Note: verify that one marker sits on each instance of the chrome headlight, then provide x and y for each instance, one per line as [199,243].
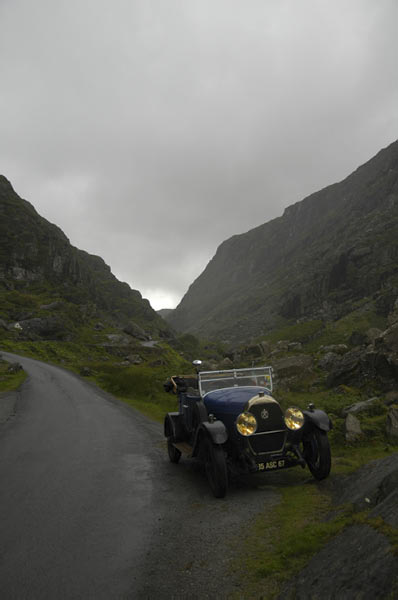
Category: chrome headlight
[294,418]
[246,423]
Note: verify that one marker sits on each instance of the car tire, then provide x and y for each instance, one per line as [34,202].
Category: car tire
[317,453]
[216,467]
[174,453]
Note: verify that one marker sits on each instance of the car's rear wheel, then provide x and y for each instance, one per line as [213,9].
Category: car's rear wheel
[317,453]
[174,453]
[216,467]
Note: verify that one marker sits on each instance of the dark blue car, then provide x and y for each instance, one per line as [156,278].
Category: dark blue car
[230,421]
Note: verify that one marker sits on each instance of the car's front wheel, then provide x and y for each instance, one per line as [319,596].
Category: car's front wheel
[216,467]
[317,453]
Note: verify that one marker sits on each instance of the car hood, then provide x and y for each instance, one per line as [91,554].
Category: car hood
[231,400]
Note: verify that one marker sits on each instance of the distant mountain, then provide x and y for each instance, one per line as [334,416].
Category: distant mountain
[164,312]
[38,261]
[322,257]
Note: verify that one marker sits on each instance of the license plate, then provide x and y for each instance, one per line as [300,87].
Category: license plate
[271,465]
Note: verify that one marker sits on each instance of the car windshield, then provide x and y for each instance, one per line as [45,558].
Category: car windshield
[216,380]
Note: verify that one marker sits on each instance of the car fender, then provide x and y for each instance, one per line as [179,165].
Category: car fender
[216,431]
[173,426]
[317,418]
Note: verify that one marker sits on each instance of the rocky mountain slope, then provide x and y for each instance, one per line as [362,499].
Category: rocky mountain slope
[324,255]
[47,285]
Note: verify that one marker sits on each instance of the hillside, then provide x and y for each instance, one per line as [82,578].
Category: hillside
[42,274]
[323,256]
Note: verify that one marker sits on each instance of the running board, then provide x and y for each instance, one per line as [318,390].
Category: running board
[183,447]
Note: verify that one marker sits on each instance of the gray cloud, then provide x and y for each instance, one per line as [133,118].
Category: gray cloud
[151,131]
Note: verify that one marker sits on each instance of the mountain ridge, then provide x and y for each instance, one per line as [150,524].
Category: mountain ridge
[35,253]
[308,263]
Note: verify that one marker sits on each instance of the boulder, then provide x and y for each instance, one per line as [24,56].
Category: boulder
[51,306]
[373,333]
[133,359]
[136,331]
[294,346]
[85,372]
[353,431]
[359,407]
[344,368]
[48,327]
[391,398]
[226,363]
[117,339]
[390,338]
[14,368]
[255,350]
[292,365]
[392,425]
[335,348]
[328,361]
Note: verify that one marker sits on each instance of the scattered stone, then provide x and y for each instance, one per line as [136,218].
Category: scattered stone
[294,346]
[335,348]
[353,431]
[255,350]
[157,363]
[373,333]
[226,363]
[136,331]
[391,398]
[99,326]
[390,338]
[133,359]
[328,361]
[359,407]
[3,324]
[51,306]
[392,425]
[14,367]
[283,345]
[118,339]
[85,372]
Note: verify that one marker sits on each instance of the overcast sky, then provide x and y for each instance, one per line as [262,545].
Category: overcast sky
[152,130]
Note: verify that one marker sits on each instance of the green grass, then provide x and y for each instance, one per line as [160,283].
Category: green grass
[281,541]
[10,381]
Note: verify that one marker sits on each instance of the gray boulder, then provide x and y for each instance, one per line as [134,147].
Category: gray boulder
[328,361]
[117,339]
[136,331]
[133,359]
[353,431]
[359,407]
[292,365]
[335,348]
[392,425]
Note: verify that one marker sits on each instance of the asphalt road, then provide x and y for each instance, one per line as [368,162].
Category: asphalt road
[90,506]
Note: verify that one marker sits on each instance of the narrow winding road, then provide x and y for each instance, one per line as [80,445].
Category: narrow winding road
[90,507]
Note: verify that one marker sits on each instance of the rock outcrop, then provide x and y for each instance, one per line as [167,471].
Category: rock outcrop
[35,255]
[325,253]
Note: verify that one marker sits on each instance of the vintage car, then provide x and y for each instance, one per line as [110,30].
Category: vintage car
[230,421]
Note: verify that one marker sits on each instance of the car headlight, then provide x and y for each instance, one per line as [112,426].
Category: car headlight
[246,423]
[294,418]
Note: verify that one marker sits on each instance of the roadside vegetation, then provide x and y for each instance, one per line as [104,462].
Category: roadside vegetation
[10,378]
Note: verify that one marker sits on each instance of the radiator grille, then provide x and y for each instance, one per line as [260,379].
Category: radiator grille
[271,430]
[262,443]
